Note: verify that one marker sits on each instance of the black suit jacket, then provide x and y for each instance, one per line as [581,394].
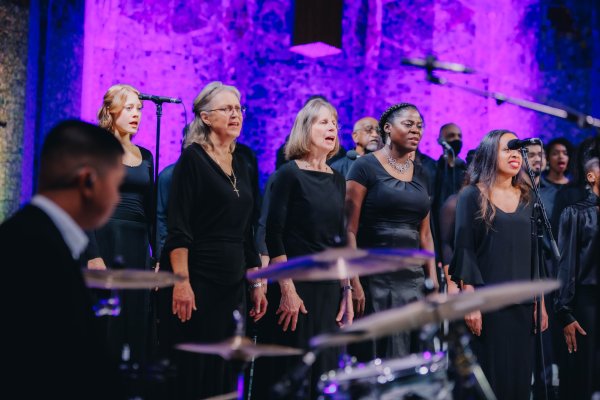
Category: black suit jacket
[54,346]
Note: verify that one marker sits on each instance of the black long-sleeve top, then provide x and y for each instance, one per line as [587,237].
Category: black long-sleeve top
[306,211]
[579,244]
[483,256]
[207,217]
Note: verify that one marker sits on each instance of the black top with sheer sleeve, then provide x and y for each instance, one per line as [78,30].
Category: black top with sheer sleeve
[500,253]
[207,217]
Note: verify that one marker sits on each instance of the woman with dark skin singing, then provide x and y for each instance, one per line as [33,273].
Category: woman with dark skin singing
[493,244]
[387,204]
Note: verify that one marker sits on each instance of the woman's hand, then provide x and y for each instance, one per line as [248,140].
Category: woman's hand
[570,332]
[259,300]
[544,315]
[345,314]
[184,301]
[474,322]
[358,298]
[291,304]
[96,263]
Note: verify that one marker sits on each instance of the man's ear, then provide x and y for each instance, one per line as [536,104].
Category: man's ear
[86,178]
[591,177]
[355,136]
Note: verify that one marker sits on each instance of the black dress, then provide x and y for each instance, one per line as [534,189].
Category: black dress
[124,242]
[207,217]
[579,244]
[391,216]
[306,215]
[502,253]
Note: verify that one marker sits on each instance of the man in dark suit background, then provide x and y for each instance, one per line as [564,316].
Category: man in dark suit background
[54,346]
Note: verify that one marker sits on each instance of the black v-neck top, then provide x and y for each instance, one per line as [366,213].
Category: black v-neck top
[207,217]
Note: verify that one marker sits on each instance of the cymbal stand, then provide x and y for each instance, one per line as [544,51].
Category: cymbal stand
[466,365]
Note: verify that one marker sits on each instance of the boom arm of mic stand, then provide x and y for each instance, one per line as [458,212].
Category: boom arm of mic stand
[580,118]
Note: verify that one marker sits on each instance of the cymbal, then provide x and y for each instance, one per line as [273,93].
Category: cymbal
[128,279]
[226,396]
[343,262]
[239,348]
[434,309]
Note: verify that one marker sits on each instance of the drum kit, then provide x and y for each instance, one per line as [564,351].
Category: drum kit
[418,376]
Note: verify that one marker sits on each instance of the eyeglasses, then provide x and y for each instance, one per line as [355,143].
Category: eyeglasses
[410,124]
[229,110]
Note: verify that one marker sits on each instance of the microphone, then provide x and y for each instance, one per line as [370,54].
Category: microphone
[352,154]
[158,99]
[516,144]
[445,144]
[430,63]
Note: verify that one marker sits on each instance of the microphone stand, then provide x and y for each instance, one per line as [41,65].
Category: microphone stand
[539,223]
[582,120]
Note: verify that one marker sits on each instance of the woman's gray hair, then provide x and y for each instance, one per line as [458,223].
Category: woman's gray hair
[199,132]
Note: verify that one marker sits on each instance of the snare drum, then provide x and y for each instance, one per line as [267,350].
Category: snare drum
[418,376]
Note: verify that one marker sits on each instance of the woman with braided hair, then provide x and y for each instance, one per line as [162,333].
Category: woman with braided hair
[387,205]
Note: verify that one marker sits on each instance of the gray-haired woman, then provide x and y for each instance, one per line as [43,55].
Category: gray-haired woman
[209,240]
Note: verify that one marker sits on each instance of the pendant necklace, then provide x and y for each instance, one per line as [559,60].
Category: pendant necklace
[401,167]
[232,178]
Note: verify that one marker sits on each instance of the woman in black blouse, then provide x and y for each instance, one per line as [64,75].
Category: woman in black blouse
[124,242]
[493,244]
[209,240]
[306,215]
[388,206]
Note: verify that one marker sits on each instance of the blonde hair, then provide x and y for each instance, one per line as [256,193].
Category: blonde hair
[298,145]
[199,132]
[113,103]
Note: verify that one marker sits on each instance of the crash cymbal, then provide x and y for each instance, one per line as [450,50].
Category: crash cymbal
[434,309]
[239,348]
[128,279]
[226,396]
[344,262]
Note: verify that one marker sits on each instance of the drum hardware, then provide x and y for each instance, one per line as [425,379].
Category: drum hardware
[239,350]
[427,313]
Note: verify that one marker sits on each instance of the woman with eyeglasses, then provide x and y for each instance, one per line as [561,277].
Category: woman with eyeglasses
[209,242]
[493,244]
[305,216]
[387,205]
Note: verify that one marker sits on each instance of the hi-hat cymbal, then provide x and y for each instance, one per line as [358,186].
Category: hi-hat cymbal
[239,348]
[344,262]
[128,279]
[434,309]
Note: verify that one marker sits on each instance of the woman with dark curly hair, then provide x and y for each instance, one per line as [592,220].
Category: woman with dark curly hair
[493,244]
[387,205]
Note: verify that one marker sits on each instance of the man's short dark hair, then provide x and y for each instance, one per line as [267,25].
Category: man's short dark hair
[71,145]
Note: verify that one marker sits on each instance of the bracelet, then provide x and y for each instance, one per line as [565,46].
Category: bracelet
[255,285]
[347,287]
